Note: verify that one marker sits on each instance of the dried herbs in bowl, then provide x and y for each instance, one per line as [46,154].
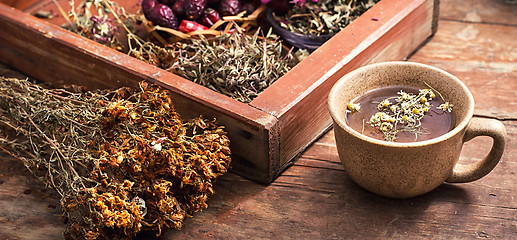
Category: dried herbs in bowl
[309,24]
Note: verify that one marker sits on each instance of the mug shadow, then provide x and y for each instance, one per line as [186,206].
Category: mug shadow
[395,216]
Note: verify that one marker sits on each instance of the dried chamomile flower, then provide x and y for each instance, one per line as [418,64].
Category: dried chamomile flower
[384,104]
[446,107]
[404,112]
[353,107]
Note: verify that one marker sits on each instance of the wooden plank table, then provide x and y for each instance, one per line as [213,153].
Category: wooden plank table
[315,199]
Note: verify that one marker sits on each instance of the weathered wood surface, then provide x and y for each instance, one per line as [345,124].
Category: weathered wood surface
[315,199]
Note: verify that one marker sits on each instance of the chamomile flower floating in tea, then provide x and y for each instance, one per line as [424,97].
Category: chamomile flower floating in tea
[401,114]
[353,107]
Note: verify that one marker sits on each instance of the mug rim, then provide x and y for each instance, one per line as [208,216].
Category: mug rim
[343,125]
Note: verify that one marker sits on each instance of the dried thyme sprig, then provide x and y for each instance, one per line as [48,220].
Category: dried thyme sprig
[122,161]
[323,16]
[236,64]
[403,113]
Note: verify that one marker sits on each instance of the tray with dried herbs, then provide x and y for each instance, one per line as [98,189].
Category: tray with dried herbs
[274,121]
[238,59]
[121,160]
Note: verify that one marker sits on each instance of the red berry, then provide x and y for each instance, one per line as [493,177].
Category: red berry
[162,15]
[194,8]
[229,7]
[189,26]
[147,6]
[210,17]
[167,2]
[179,7]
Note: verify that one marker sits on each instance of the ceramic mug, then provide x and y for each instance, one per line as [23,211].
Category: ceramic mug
[402,170]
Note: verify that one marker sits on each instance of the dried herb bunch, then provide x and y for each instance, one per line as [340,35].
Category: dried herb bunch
[122,162]
[322,17]
[235,64]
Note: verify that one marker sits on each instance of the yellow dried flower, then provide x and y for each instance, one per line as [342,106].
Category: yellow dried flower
[353,107]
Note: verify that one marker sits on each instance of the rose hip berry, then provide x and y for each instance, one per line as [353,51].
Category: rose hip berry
[187,26]
[229,7]
[248,7]
[147,6]
[279,6]
[167,2]
[162,15]
[210,17]
[179,7]
[194,8]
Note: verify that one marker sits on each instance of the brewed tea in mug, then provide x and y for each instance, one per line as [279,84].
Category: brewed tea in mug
[434,123]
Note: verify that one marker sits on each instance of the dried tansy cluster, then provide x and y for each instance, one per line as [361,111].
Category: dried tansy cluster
[122,161]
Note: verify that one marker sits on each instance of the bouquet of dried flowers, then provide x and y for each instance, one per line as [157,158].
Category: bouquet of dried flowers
[122,161]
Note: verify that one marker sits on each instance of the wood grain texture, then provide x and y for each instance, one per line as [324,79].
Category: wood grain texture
[20,4]
[321,202]
[29,210]
[501,12]
[484,57]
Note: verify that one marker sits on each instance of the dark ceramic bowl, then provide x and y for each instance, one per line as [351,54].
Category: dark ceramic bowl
[309,42]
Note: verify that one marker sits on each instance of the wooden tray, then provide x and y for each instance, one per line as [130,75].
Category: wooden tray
[265,134]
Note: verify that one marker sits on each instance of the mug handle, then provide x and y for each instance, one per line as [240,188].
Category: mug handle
[481,127]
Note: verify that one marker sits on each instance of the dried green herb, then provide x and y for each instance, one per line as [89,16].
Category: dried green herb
[122,161]
[323,16]
[236,64]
